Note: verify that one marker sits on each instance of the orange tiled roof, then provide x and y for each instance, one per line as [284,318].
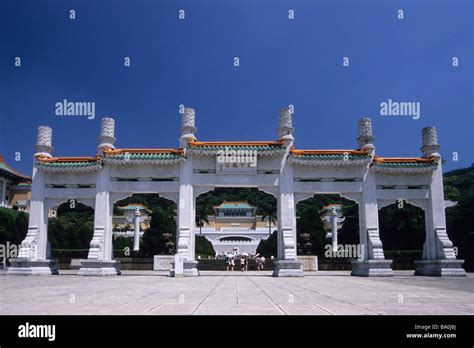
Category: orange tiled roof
[44,159]
[113,152]
[327,152]
[403,159]
[11,171]
[235,143]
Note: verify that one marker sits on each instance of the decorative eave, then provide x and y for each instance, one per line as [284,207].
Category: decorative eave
[212,147]
[143,156]
[22,186]
[329,157]
[11,174]
[221,206]
[404,165]
[69,164]
[133,206]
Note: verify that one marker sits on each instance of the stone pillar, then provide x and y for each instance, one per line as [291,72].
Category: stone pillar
[438,254]
[371,262]
[287,264]
[32,258]
[107,134]
[334,229]
[100,260]
[136,235]
[186,210]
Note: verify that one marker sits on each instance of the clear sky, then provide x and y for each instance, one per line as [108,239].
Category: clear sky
[191,62]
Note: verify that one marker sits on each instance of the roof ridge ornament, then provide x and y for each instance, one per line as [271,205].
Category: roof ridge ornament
[107,134]
[285,129]
[44,142]
[188,127]
[430,146]
[365,137]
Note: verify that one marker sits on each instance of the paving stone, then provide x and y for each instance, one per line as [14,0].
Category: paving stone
[236,293]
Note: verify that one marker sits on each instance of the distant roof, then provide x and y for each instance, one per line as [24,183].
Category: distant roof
[8,172]
[134,207]
[24,184]
[234,205]
[330,206]
[22,203]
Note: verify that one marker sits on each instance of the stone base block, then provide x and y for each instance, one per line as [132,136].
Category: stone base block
[76,264]
[440,268]
[372,268]
[287,268]
[309,262]
[91,267]
[163,262]
[190,269]
[26,266]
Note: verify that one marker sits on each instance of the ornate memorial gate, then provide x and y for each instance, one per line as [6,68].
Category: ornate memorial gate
[291,175]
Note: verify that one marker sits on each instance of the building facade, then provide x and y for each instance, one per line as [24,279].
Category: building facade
[14,187]
[235,225]
[123,224]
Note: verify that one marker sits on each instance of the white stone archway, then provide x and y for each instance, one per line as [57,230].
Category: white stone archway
[276,167]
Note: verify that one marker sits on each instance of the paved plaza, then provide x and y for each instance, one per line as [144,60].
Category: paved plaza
[318,293]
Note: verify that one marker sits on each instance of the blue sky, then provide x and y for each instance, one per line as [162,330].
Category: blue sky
[282,62]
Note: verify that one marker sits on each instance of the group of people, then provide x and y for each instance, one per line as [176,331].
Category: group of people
[244,261]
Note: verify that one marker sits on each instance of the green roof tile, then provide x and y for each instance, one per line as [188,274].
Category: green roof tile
[146,156]
[67,164]
[238,147]
[331,157]
[234,206]
[11,173]
[407,165]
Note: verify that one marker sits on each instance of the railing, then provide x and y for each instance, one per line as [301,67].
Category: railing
[233,217]
[130,233]
[258,230]
[236,242]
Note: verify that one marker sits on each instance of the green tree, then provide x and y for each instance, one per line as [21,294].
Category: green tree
[402,227]
[204,246]
[160,237]
[271,217]
[459,187]
[201,217]
[268,247]
[72,228]
[13,226]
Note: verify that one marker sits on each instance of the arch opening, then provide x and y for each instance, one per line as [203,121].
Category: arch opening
[235,218]
[403,233]
[70,231]
[315,232]
[144,225]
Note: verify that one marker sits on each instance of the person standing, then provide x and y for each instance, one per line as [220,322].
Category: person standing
[230,262]
[258,261]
